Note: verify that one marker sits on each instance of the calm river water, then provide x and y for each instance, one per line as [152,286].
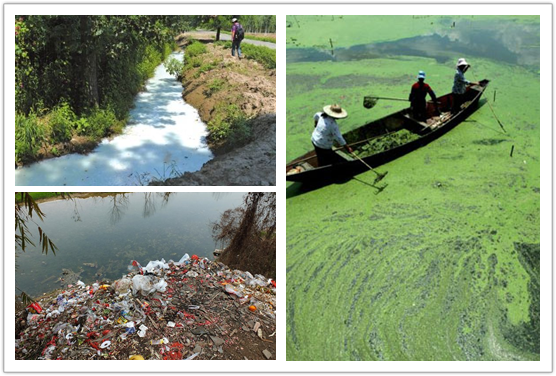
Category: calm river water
[108,232]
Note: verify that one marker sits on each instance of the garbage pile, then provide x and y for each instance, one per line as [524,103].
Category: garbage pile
[191,309]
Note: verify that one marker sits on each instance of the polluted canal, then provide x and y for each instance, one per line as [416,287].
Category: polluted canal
[164,137]
[134,278]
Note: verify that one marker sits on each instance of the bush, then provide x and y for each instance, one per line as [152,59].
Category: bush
[263,55]
[60,123]
[194,49]
[100,122]
[29,136]
[174,67]
[229,125]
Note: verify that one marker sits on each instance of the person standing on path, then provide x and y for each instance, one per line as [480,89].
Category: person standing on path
[237,36]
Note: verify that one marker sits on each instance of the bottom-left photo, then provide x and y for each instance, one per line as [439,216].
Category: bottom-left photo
[145,276]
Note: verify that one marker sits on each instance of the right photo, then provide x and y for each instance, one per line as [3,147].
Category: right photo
[413,188]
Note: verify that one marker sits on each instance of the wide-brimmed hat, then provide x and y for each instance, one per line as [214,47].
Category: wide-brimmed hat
[335,111]
[462,62]
[421,75]
[234,19]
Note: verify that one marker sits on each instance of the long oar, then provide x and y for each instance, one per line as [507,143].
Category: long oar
[370,101]
[496,117]
[379,176]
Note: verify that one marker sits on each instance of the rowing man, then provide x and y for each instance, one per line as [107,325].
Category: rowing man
[326,132]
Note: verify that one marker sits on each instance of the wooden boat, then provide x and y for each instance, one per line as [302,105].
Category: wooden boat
[386,139]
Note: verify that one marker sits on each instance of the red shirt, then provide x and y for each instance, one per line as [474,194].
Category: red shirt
[419,92]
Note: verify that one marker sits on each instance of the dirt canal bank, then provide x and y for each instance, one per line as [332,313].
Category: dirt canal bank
[249,86]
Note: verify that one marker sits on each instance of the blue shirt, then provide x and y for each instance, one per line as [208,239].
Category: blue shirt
[326,132]
[460,83]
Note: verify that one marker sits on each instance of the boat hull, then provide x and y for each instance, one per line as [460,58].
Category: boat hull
[343,170]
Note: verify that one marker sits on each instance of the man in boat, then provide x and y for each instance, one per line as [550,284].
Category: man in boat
[460,85]
[326,132]
[418,97]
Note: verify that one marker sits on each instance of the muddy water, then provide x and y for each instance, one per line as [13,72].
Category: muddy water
[443,264]
[97,237]
[164,137]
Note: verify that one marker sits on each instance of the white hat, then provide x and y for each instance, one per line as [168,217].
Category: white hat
[421,75]
[462,62]
[335,111]
[234,19]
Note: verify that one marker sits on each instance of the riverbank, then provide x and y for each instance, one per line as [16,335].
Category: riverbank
[232,91]
[63,130]
[192,309]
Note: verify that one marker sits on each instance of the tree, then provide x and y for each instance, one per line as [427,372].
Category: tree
[251,233]
[24,211]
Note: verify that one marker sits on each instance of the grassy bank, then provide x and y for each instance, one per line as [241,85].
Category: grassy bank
[262,38]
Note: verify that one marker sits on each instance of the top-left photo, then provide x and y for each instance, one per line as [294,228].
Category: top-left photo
[141,100]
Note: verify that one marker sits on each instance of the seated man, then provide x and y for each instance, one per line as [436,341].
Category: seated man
[326,132]
[418,96]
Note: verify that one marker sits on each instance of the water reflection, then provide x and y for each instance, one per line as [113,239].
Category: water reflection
[119,205]
[505,41]
[115,229]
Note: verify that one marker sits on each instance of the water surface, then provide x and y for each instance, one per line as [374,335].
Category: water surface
[111,231]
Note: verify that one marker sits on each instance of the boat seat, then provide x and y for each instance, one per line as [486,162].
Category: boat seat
[344,155]
[305,166]
[424,126]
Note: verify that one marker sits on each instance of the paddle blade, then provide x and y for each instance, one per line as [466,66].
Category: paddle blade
[380,176]
[369,102]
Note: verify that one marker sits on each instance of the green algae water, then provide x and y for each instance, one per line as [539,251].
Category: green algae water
[443,264]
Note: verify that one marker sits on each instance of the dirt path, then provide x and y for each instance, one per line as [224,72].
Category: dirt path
[252,88]
[211,35]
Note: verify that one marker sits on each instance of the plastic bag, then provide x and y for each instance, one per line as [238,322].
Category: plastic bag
[160,286]
[155,265]
[142,284]
[234,290]
[184,259]
[33,319]
[192,274]
[122,286]
[142,330]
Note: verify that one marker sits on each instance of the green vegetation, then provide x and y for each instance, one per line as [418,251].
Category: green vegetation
[229,125]
[36,196]
[384,143]
[255,37]
[74,74]
[263,55]
[215,86]
[194,49]
[174,67]
[443,263]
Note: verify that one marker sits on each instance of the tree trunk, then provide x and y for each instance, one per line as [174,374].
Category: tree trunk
[218,33]
[89,64]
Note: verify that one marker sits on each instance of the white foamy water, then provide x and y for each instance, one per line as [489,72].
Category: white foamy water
[163,134]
